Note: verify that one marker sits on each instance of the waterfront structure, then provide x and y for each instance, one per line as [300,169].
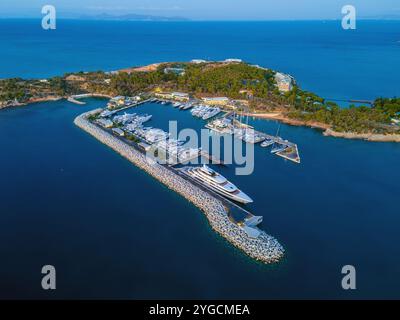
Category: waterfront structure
[264,247]
[215,181]
[221,101]
[180,96]
[146,147]
[163,95]
[229,125]
[116,102]
[233,60]
[118,132]
[106,123]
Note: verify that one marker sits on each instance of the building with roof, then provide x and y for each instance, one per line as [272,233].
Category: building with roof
[284,82]
[233,60]
[198,61]
[118,132]
[143,145]
[106,123]
[180,96]
[220,101]
[163,95]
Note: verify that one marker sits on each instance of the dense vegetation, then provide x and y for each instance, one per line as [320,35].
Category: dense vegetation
[130,84]
[390,107]
[235,80]
[227,80]
[20,90]
[11,89]
[360,119]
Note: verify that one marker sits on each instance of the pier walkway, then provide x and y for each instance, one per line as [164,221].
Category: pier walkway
[75,98]
[129,106]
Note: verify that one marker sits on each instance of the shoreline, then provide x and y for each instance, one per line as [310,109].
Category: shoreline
[293,122]
[372,137]
[72,99]
[32,101]
[265,248]
[326,129]
[278,116]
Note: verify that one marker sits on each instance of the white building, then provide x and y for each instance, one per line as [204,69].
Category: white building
[180,96]
[284,82]
[144,146]
[221,101]
[233,60]
[118,132]
[198,61]
[106,123]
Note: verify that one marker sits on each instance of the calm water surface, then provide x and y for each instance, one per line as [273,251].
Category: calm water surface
[114,232]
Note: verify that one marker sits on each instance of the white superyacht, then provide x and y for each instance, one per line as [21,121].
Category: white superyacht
[218,183]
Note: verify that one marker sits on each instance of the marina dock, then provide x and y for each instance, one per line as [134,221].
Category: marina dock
[75,98]
[229,125]
[135,104]
[263,247]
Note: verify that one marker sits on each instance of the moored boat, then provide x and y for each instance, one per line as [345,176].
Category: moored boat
[218,183]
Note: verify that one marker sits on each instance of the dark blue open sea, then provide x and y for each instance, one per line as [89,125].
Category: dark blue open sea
[112,231]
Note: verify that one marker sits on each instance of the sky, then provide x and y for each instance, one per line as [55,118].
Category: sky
[207,9]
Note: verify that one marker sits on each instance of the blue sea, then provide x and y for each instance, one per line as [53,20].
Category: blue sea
[112,231]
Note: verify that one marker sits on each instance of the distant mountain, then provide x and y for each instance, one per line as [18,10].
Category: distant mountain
[131,17]
[382,17]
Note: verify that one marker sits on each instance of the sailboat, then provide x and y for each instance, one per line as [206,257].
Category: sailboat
[278,147]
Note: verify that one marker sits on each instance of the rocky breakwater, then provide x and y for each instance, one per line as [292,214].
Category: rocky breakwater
[265,248]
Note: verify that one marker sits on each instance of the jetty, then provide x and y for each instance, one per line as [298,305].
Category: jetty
[229,125]
[132,105]
[75,98]
[264,247]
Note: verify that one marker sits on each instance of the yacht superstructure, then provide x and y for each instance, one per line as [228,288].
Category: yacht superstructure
[218,183]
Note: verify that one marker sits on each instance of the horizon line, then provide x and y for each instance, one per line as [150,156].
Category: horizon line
[182,19]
